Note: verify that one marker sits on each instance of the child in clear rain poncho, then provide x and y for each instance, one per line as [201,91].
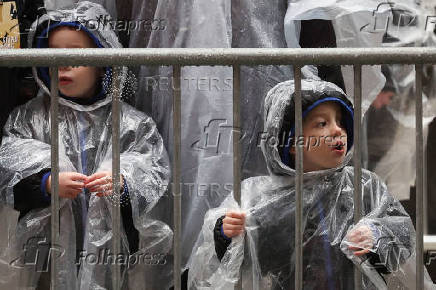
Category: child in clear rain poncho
[85,163]
[381,243]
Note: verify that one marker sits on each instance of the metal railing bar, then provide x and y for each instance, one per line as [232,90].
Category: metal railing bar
[216,56]
[299,182]
[425,192]
[237,131]
[236,134]
[54,190]
[177,202]
[357,157]
[419,180]
[116,214]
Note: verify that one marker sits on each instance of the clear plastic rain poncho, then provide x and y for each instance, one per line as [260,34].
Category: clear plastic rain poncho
[207,91]
[355,25]
[109,5]
[85,146]
[410,26]
[265,254]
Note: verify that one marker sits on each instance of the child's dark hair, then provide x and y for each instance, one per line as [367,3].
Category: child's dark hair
[285,135]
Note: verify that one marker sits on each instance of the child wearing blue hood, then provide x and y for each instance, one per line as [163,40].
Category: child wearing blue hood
[85,162]
[257,238]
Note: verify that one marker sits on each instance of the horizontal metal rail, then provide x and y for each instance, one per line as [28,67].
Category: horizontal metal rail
[216,56]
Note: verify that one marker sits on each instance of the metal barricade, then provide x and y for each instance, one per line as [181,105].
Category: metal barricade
[233,57]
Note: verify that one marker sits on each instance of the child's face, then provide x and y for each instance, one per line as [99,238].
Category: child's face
[82,81]
[325,138]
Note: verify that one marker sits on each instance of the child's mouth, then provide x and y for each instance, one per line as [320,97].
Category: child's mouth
[65,81]
[339,148]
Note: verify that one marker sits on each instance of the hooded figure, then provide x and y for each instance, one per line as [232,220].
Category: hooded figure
[410,27]
[265,254]
[206,91]
[85,146]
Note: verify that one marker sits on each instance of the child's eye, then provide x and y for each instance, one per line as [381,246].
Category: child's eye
[322,124]
[341,123]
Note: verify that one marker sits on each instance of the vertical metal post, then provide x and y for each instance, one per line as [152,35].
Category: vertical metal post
[357,158]
[176,175]
[236,141]
[419,181]
[425,191]
[236,134]
[299,182]
[116,238]
[54,191]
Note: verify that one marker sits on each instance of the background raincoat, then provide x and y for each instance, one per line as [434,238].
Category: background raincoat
[85,134]
[207,91]
[265,254]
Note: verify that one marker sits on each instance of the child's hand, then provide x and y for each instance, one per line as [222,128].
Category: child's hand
[233,223]
[362,240]
[70,184]
[101,183]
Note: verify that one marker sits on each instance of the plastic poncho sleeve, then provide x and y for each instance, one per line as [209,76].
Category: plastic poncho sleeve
[22,154]
[143,164]
[208,270]
[393,234]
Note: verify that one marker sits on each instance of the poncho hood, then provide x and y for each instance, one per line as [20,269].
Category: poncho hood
[91,18]
[279,101]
